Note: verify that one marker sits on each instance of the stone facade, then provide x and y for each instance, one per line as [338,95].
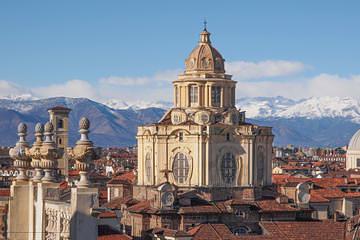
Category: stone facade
[204,140]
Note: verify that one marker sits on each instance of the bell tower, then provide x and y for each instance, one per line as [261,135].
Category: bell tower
[59,117]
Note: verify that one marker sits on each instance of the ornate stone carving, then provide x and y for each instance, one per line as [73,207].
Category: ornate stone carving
[50,230]
[49,154]
[83,152]
[18,153]
[65,225]
[34,152]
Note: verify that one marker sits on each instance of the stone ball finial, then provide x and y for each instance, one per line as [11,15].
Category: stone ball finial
[84,123]
[22,128]
[49,127]
[39,128]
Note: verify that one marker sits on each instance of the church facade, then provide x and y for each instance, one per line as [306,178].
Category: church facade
[204,140]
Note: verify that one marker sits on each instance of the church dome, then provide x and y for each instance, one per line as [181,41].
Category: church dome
[354,143]
[204,57]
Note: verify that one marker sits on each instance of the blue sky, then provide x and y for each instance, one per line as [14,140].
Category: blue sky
[113,49]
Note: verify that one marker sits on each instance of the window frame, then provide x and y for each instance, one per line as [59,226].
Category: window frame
[228,168]
[181,167]
[193,95]
[216,96]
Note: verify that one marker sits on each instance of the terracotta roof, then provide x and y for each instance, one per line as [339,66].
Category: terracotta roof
[352,194]
[273,206]
[107,214]
[317,198]
[105,232]
[315,230]
[142,207]
[116,203]
[211,231]
[328,193]
[119,236]
[125,178]
[169,232]
[206,209]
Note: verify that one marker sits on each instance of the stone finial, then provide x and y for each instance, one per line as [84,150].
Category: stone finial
[22,128]
[49,154]
[84,125]
[39,128]
[34,152]
[19,153]
[83,153]
[48,131]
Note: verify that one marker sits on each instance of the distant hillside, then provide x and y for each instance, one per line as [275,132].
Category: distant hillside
[109,127]
[307,122]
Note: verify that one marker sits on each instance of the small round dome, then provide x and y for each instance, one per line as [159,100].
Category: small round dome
[204,57]
[84,123]
[49,127]
[22,128]
[39,128]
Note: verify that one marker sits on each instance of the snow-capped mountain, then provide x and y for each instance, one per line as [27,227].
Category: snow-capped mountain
[326,121]
[120,104]
[311,108]
[275,107]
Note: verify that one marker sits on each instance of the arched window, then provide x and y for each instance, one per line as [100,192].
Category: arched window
[180,167]
[228,168]
[148,166]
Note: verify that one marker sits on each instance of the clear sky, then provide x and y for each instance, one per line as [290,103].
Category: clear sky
[133,49]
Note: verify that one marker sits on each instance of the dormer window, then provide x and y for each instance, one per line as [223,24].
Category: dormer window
[193,95]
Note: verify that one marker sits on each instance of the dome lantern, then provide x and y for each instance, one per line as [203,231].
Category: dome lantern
[204,58]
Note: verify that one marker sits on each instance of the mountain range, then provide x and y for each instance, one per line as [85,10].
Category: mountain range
[325,121]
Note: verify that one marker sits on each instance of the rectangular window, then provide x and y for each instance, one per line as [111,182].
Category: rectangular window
[215,96]
[193,95]
[358,162]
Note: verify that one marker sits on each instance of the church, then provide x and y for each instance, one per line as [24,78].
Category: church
[202,162]
[204,141]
